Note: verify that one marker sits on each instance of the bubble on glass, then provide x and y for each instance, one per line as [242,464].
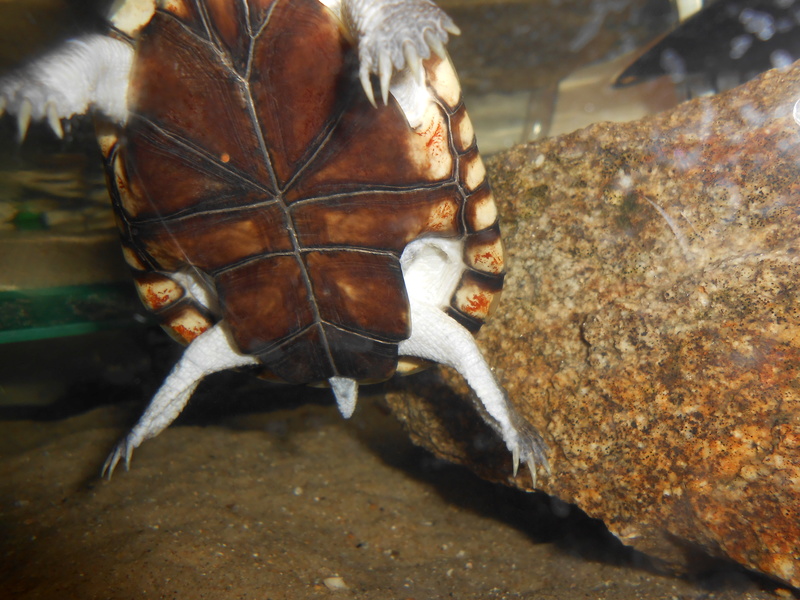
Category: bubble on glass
[673,64]
[757,22]
[740,44]
[796,112]
[780,59]
[784,25]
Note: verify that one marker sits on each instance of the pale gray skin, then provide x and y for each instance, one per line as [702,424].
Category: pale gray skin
[393,36]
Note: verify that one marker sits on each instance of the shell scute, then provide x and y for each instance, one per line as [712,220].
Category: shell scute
[473,171]
[192,104]
[463,131]
[372,148]
[358,291]
[444,81]
[253,158]
[157,291]
[185,321]
[265,301]
[484,251]
[480,211]
[237,236]
[299,83]
[380,220]
[476,296]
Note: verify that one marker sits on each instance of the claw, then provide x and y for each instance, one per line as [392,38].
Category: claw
[451,28]
[24,119]
[435,44]
[532,468]
[366,83]
[3,103]
[53,120]
[113,459]
[413,60]
[515,459]
[385,72]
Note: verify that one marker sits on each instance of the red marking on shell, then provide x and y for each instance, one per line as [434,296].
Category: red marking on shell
[478,305]
[225,157]
[186,334]
[156,300]
[442,216]
[488,261]
[436,140]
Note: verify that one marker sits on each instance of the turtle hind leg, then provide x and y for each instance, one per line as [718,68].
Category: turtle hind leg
[210,352]
[437,337]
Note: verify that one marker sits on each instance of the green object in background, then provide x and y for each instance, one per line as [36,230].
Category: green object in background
[38,314]
[29,221]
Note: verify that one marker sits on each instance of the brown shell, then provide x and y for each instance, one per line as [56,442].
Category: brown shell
[252,156]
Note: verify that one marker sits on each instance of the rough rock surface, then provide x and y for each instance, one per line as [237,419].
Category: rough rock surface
[650,327]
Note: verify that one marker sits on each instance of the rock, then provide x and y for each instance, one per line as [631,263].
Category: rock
[650,328]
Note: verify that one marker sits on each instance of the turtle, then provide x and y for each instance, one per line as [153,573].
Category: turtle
[298,190]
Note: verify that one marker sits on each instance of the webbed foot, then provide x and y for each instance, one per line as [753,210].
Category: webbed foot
[83,73]
[396,36]
[29,100]
[531,449]
[123,449]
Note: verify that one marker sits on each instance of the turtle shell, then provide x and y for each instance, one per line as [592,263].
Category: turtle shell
[255,183]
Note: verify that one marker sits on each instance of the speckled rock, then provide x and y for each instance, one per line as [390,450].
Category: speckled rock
[650,328]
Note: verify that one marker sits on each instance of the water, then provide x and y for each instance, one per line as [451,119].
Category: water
[233,504]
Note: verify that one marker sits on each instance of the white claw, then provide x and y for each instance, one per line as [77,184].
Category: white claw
[435,44]
[385,72]
[53,120]
[452,28]
[24,119]
[515,459]
[366,83]
[532,468]
[413,60]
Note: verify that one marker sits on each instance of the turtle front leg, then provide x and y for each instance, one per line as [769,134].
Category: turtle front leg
[210,352]
[393,36]
[90,72]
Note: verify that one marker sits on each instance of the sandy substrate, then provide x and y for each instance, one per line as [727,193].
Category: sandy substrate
[289,504]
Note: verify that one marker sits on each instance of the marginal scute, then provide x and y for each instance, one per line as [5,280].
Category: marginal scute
[484,251]
[182,9]
[132,15]
[444,81]
[129,202]
[463,131]
[157,291]
[408,365]
[132,258]
[185,324]
[107,136]
[473,171]
[474,299]
[480,210]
